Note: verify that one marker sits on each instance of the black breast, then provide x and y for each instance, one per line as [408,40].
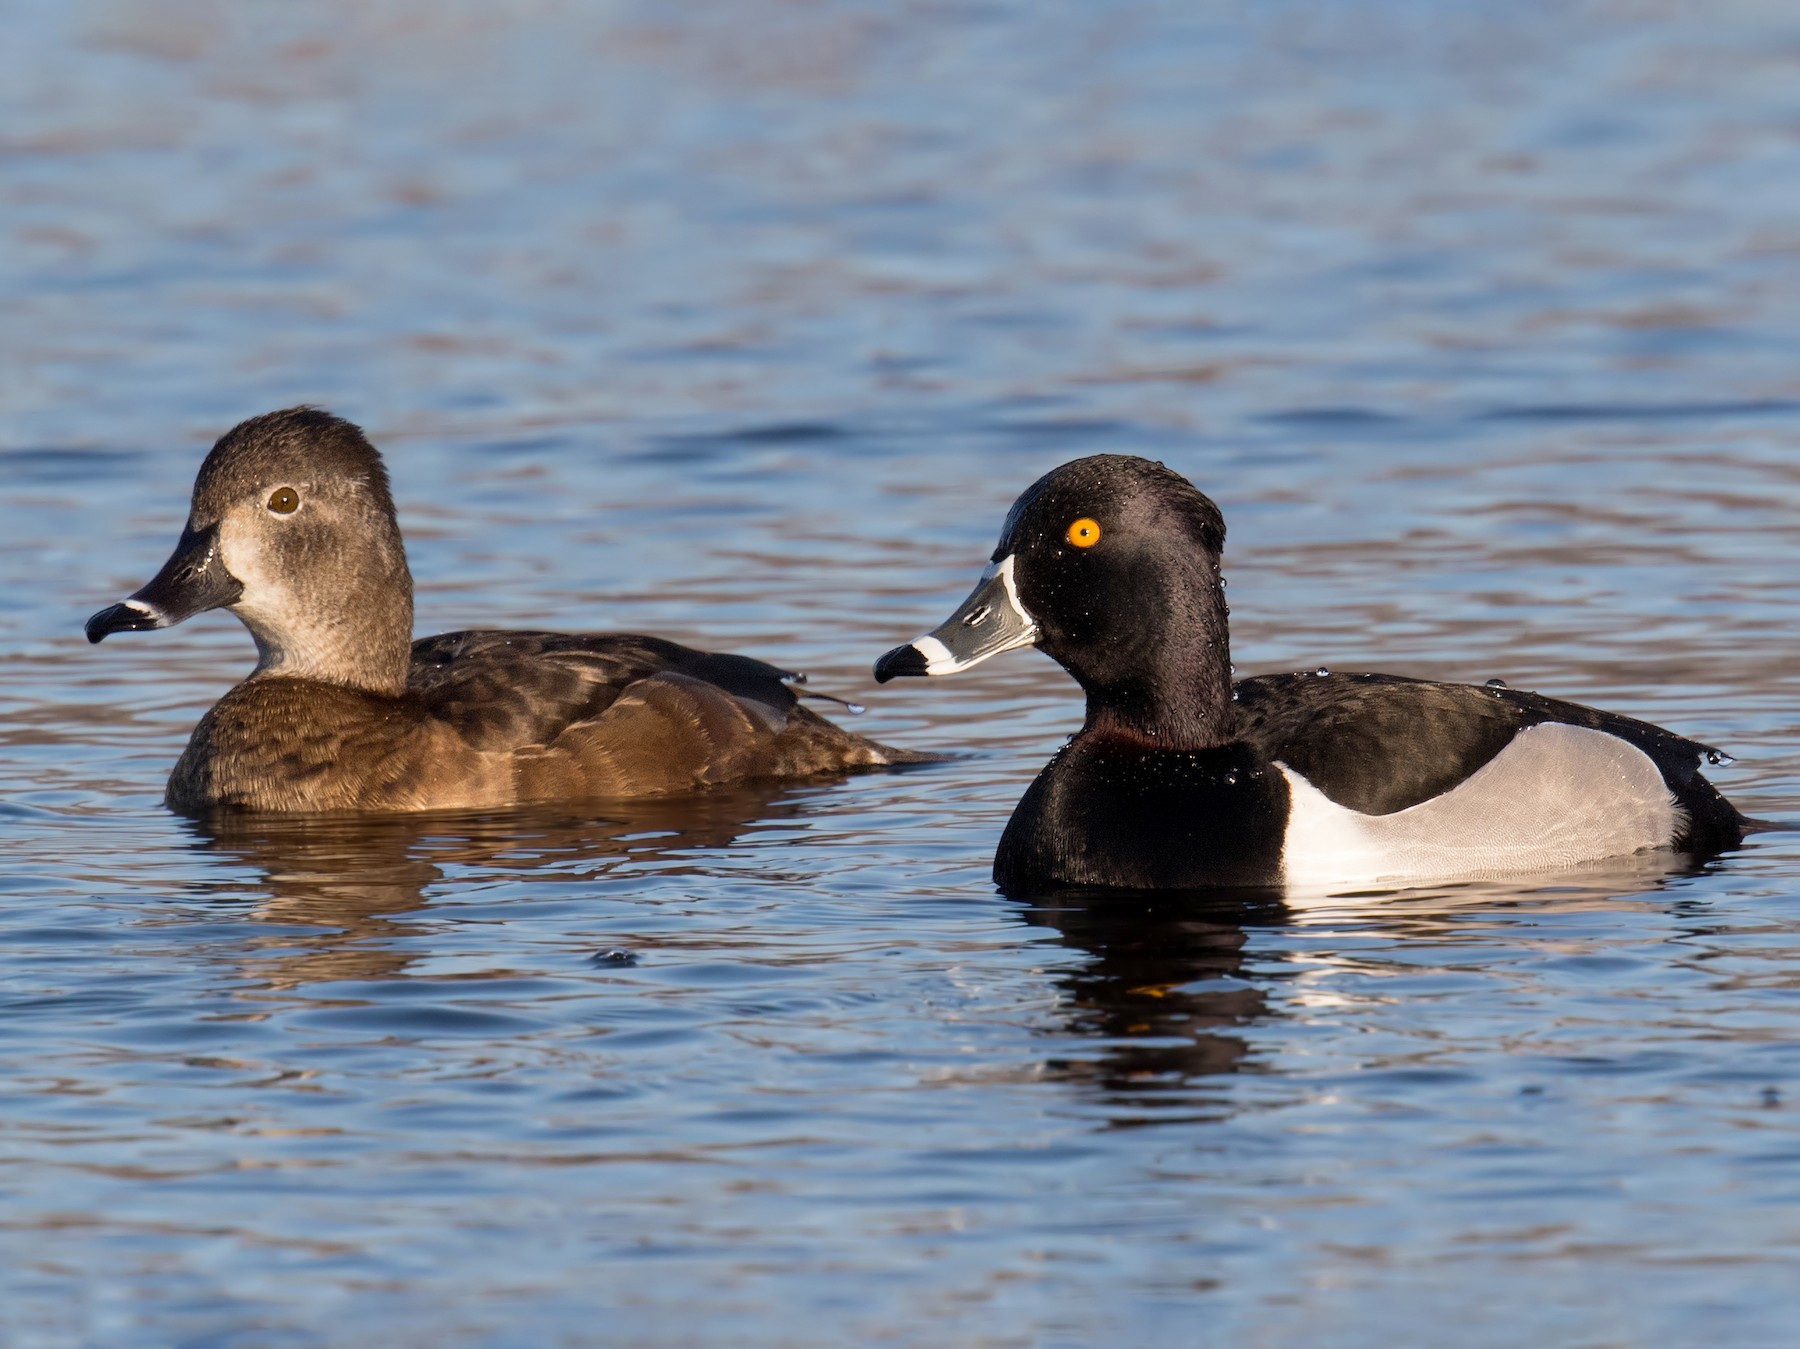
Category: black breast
[1119,814]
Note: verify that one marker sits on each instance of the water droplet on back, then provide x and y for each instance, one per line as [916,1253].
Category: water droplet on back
[1496,683]
[1719,759]
[1231,777]
[1322,671]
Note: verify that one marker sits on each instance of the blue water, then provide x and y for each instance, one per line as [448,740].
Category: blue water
[744,324]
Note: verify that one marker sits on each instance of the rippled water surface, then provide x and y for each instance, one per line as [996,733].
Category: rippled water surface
[744,324]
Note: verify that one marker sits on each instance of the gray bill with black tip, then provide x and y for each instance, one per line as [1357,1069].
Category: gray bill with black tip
[192,581]
[990,621]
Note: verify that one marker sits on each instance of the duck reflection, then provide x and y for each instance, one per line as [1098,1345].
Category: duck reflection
[355,878]
[1164,984]
[1162,990]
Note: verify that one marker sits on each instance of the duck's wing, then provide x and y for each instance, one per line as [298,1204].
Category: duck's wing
[623,715]
[504,690]
[1381,743]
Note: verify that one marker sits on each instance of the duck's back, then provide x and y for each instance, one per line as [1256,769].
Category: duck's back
[624,715]
[506,690]
[1379,744]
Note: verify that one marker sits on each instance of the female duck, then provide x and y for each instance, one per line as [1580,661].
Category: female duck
[1180,779]
[292,528]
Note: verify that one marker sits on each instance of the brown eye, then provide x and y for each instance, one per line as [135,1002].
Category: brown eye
[284,501]
[1084,533]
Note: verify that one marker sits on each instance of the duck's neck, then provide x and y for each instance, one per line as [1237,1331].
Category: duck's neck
[1190,709]
[359,637]
[1165,677]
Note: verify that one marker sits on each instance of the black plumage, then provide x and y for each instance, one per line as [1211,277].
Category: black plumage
[1179,777]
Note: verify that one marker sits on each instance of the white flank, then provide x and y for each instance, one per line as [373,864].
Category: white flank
[1557,796]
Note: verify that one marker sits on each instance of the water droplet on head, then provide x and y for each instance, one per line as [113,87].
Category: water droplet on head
[1231,777]
[1322,671]
[1234,696]
[1496,683]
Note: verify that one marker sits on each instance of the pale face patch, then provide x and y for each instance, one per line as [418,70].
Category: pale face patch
[243,548]
[269,606]
[1556,797]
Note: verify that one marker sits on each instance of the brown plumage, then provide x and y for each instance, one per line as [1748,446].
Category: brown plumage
[293,529]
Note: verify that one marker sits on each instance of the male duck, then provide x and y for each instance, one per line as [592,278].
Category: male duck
[1181,779]
[292,528]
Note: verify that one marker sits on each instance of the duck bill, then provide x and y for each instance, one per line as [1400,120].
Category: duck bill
[990,621]
[192,581]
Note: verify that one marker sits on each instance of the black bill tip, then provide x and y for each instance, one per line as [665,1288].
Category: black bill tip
[121,618]
[192,581]
[902,660]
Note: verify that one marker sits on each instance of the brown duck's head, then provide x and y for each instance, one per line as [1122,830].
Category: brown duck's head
[292,528]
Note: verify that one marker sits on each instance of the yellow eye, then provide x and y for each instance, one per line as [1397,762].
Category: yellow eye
[1084,533]
[285,501]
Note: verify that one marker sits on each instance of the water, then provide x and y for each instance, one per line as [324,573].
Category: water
[744,325]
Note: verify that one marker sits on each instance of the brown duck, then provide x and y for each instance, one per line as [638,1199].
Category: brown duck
[292,528]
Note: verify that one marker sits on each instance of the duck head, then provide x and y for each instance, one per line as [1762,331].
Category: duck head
[291,528]
[1110,565]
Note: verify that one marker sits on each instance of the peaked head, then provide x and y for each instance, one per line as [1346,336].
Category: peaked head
[291,528]
[1110,564]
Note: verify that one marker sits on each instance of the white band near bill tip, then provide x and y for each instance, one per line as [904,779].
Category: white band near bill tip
[938,659]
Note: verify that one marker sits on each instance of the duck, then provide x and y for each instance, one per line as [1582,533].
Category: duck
[292,528]
[1182,777]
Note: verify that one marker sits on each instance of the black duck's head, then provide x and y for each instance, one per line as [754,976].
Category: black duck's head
[292,528]
[1111,566]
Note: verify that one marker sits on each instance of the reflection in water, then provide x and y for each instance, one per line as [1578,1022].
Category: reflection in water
[354,877]
[1163,983]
